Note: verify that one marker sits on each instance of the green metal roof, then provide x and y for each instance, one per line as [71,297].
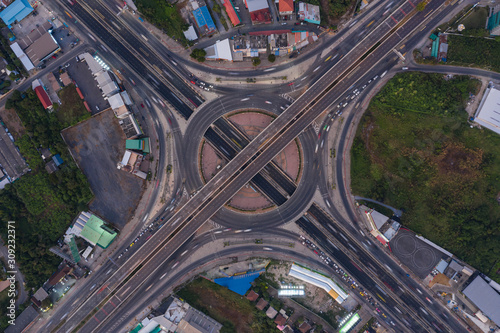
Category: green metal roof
[138,144]
[74,250]
[95,231]
[433,37]
[435,48]
[137,329]
[156,330]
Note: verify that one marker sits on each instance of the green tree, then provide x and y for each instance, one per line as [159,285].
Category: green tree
[256,61]
[421,6]
[199,54]
[271,58]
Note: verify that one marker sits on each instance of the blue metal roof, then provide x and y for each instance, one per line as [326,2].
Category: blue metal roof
[16,11]
[57,159]
[203,18]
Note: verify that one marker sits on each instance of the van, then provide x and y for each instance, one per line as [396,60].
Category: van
[404,68]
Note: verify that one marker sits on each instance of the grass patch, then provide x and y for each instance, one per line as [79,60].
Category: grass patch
[72,109]
[474,52]
[165,16]
[415,150]
[235,312]
[476,19]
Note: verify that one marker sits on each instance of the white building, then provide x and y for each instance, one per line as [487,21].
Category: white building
[220,50]
[488,113]
[320,281]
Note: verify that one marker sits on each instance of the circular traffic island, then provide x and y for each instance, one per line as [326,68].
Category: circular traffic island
[249,199]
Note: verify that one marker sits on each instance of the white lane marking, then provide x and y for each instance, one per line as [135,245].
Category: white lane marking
[328,204]
[149,287]
[361,232]
[145,217]
[163,276]
[64,315]
[316,69]
[269,69]
[183,253]
[305,77]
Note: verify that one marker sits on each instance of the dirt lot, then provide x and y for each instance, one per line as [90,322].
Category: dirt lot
[12,121]
[97,145]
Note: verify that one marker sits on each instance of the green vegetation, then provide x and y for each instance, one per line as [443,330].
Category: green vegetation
[271,58]
[256,61]
[72,109]
[475,52]
[415,151]
[332,10]
[165,16]
[42,205]
[235,312]
[368,324]
[421,6]
[199,54]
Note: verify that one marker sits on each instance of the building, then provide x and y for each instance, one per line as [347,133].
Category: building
[221,50]
[309,13]
[39,296]
[271,312]
[320,281]
[118,105]
[106,83]
[191,34]
[202,18]
[286,7]
[16,12]
[261,304]
[485,297]
[43,48]
[280,320]
[141,144]
[488,110]
[130,126]
[131,162]
[231,12]
[381,227]
[252,296]
[350,324]
[493,23]
[51,167]
[180,317]
[22,56]
[23,321]
[12,164]
[259,11]
[304,327]
[91,228]
[65,79]
[43,97]
[59,275]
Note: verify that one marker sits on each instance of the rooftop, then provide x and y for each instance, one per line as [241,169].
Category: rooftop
[485,298]
[488,113]
[23,320]
[10,158]
[255,5]
[261,304]
[252,296]
[286,6]
[96,232]
[16,11]
[42,48]
[43,97]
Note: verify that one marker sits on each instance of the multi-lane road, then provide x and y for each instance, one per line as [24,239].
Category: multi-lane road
[366,50]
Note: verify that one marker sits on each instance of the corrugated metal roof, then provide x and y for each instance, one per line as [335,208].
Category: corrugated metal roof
[485,298]
[16,11]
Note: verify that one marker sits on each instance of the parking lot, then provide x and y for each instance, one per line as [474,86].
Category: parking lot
[98,144]
[80,73]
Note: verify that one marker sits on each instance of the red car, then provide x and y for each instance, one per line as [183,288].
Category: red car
[54,56]
[142,105]
[193,82]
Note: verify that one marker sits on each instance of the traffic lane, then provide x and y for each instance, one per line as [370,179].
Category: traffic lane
[137,44]
[362,277]
[130,59]
[388,280]
[239,181]
[203,119]
[135,306]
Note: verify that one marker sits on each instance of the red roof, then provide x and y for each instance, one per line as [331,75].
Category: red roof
[252,296]
[381,240]
[262,16]
[235,20]
[286,6]
[43,97]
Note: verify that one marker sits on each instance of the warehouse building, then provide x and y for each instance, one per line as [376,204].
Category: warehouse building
[221,50]
[488,112]
[16,12]
[320,281]
[92,229]
[485,297]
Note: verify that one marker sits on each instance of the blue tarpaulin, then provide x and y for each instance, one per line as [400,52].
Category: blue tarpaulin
[239,283]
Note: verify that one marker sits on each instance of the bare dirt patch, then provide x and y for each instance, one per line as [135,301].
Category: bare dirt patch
[13,122]
[456,162]
[440,279]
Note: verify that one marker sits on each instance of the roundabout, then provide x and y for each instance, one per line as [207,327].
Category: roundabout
[307,177]
[249,199]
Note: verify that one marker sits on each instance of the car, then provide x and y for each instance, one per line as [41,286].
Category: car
[142,105]
[297,23]
[404,68]
[193,82]
[54,56]
[267,102]
[67,65]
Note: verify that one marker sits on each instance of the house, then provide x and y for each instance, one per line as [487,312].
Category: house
[43,97]
[261,304]
[271,312]
[57,159]
[141,144]
[286,7]
[305,327]
[39,296]
[45,153]
[59,275]
[280,320]
[51,167]
[252,296]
